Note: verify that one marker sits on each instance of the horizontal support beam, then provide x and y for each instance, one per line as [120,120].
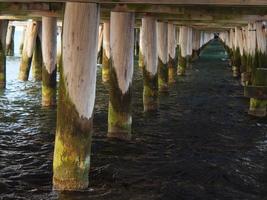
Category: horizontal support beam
[173,2]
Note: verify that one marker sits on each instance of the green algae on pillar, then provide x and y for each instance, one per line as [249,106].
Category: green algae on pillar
[259,73]
[76,97]
[106,51]
[22,40]
[10,40]
[3,31]
[182,61]
[162,47]
[150,75]
[37,58]
[49,52]
[141,51]
[172,61]
[27,52]
[121,74]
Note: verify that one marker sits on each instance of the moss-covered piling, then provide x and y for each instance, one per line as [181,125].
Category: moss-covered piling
[121,74]
[76,97]
[3,31]
[10,40]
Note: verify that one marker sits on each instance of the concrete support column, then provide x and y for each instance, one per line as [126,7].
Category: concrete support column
[106,51]
[37,59]
[189,48]
[136,41]
[236,52]
[22,40]
[172,57]
[195,44]
[150,72]
[162,46]
[3,31]
[49,70]
[259,72]
[100,44]
[76,97]
[59,46]
[10,40]
[121,74]
[141,49]
[182,51]
[28,48]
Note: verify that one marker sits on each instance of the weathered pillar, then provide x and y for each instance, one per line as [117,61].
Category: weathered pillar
[259,73]
[59,46]
[136,41]
[106,51]
[236,52]
[182,51]
[189,47]
[3,31]
[121,74]
[162,46]
[150,74]
[22,40]
[172,57]
[100,44]
[252,46]
[76,97]
[37,58]
[10,40]
[245,77]
[141,50]
[27,52]
[49,51]
[195,44]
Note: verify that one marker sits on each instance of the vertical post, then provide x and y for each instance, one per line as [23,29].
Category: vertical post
[10,40]
[27,52]
[22,40]
[141,50]
[196,44]
[106,51]
[236,52]
[172,57]
[59,46]
[49,51]
[100,44]
[182,51]
[37,58]
[136,41]
[189,47]
[150,74]
[76,97]
[3,31]
[258,106]
[162,46]
[121,74]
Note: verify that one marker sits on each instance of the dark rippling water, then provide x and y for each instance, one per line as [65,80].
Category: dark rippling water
[200,145]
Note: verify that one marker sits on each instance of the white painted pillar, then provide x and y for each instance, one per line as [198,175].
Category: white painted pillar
[121,74]
[76,97]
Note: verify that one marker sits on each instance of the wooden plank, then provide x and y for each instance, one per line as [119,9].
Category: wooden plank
[257,92]
[174,2]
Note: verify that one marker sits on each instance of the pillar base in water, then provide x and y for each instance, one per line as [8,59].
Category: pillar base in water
[171,75]
[235,70]
[258,108]
[69,185]
[119,124]
[150,92]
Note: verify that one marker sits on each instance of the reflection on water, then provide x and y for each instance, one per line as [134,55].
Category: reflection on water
[200,145]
